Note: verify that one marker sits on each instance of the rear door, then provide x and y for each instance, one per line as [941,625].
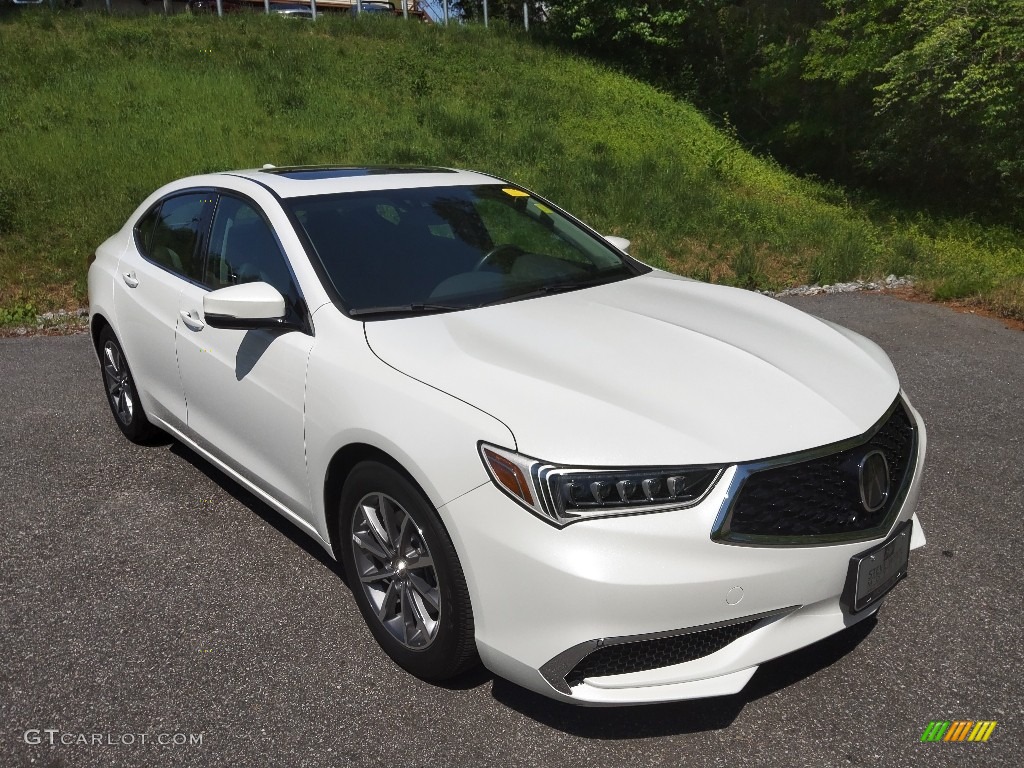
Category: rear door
[164,258]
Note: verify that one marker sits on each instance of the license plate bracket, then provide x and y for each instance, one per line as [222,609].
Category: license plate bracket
[874,572]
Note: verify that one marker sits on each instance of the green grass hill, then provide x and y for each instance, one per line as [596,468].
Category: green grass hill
[99,111]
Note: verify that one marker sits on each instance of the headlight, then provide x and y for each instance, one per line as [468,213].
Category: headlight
[563,495]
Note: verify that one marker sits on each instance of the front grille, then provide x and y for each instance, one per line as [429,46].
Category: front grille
[654,654]
[821,496]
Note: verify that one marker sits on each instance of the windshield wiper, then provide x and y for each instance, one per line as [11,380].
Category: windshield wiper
[403,309]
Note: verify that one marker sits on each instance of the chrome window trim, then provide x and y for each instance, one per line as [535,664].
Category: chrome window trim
[556,669]
[722,534]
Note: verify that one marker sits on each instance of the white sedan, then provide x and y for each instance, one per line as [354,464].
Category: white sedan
[609,484]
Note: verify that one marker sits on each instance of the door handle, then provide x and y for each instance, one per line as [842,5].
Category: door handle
[130,279]
[192,322]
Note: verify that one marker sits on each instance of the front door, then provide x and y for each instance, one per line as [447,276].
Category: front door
[245,390]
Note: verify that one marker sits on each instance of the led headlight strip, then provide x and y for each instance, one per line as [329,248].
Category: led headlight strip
[562,495]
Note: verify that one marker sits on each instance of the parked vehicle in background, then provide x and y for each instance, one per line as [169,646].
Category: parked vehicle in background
[372,8]
[382,8]
[292,10]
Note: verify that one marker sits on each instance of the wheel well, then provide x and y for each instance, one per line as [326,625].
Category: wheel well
[99,322]
[342,464]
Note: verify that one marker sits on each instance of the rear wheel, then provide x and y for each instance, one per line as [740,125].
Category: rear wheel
[122,395]
[405,574]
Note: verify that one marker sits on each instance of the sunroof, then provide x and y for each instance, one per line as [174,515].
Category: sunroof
[309,173]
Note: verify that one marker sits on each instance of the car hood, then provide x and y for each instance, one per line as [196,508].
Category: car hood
[652,370]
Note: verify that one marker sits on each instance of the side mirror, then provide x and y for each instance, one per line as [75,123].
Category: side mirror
[619,242]
[246,307]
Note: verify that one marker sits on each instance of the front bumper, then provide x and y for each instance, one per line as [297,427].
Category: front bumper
[540,594]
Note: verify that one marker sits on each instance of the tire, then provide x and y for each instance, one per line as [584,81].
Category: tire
[122,394]
[404,573]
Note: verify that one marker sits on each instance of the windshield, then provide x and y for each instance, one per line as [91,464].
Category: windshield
[408,251]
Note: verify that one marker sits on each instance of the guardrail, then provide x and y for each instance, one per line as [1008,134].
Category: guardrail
[437,11]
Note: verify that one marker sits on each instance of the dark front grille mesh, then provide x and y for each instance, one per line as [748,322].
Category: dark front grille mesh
[653,654]
[822,496]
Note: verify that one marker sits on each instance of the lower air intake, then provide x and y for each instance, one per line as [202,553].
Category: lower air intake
[654,654]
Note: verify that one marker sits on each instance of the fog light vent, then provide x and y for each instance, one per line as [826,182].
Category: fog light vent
[654,654]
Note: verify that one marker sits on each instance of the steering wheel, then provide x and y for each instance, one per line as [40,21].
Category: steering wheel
[505,249]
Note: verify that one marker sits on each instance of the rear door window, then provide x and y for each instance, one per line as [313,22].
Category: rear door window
[171,234]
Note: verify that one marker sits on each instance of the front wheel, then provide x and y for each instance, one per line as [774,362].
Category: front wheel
[405,574]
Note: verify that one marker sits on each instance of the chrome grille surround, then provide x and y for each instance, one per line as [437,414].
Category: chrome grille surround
[823,506]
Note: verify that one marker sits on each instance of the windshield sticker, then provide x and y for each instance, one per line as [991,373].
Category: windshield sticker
[514,192]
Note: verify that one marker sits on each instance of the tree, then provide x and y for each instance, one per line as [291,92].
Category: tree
[945,81]
[917,98]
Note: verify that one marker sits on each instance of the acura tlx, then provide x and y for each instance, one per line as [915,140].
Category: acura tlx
[607,483]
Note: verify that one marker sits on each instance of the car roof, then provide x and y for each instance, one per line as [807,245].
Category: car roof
[301,181]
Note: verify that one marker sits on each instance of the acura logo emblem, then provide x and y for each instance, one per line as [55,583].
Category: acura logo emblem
[874,481]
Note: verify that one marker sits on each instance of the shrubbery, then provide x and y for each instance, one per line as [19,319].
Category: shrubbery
[919,100]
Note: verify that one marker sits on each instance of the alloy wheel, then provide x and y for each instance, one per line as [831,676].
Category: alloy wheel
[396,570]
[115,375]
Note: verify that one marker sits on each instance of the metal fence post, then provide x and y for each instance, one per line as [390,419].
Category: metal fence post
[220,8]
[359,7]
[312,4]
[485,14]
[446,13]
[405,9]
[266,7]
[526,17]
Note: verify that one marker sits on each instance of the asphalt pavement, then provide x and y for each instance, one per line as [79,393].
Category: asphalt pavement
[146,598]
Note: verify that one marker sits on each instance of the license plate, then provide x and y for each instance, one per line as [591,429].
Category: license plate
[876,571]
